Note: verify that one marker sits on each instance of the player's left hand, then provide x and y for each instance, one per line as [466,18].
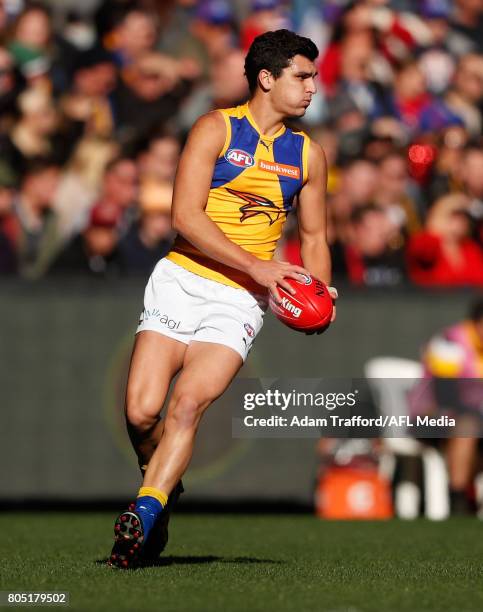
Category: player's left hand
[334,295]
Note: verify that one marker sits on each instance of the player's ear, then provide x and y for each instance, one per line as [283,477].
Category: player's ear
[265,80]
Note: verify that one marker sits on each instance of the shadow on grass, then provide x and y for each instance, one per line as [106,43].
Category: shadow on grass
[198,560]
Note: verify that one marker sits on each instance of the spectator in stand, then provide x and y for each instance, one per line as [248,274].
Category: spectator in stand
[328,139]
[3,20]
[159,162]
[185,31]
[357,50]
[357,188]
[414,106]
[392,193]
[149,94]
[374,255]
[399,32]
[119,192]
[435,59]
[94,251]
[78,30]
[444,254]
[264,16]
[9,226]
[465,97]
[38,238]
[471,176]
[471,173]
[34,42]
[80,184]
[330,60]
[227,87]
[228,82]
[359,182]
[351,126]
[11,84]
[395,34]
[386,135]
[38,133]
[152,236]
[467,26]
[33,135]
[108,15]
[135,35]
[213,27]
[87,101]
[32,34]
[445,175]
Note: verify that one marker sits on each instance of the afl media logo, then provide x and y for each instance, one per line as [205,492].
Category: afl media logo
[240,158]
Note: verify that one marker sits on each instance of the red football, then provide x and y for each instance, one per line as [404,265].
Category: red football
[310,309]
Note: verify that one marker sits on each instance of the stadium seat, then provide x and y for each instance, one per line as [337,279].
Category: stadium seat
[390,378]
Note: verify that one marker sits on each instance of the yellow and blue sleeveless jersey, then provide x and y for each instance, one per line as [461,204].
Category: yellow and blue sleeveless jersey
[255,181]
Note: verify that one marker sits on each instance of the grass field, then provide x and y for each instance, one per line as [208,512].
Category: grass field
[245,563]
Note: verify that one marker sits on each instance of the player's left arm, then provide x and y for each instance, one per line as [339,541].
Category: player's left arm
[312,219]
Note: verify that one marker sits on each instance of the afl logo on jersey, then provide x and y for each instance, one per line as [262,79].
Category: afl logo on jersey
[240,158]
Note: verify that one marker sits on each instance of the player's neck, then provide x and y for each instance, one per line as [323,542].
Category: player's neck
[267,120]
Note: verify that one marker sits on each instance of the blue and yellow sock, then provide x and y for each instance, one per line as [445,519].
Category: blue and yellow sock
[149,505]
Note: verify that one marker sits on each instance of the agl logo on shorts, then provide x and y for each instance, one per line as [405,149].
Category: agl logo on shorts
[240,158]
[162,318]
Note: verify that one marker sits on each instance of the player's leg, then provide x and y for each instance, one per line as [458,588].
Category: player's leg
[155,360]
[461,456]
[207,371]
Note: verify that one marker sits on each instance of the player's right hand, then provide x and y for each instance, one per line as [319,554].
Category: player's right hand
[272,274]
[334,294]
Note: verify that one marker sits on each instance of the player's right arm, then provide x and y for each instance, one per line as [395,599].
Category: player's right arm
[191,190]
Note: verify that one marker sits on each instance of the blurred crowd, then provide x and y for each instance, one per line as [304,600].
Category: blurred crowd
[96,101]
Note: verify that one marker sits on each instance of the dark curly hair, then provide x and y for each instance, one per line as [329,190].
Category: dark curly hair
[273,51]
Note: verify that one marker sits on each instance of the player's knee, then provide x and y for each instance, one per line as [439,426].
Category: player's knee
[141,414]
[186,412]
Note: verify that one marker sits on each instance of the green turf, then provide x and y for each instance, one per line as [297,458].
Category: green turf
[252,564]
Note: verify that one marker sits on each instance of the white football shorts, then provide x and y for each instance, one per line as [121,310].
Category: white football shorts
[187,307]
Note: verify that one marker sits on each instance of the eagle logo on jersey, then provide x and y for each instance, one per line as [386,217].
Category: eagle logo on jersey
[257,205]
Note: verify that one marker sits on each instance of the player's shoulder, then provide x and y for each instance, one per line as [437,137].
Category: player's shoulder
[208,132]
[215,128]
[210,121]
[219,116]
[317,163]
[316,151]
